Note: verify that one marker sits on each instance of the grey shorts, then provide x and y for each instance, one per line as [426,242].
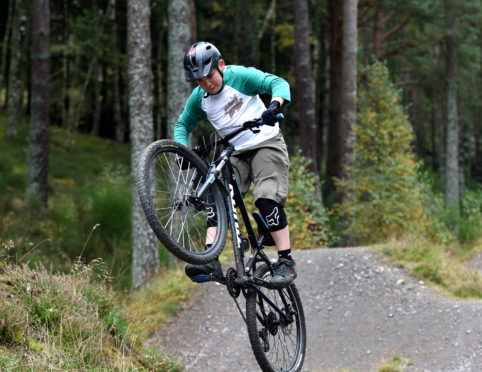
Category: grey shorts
[266,166]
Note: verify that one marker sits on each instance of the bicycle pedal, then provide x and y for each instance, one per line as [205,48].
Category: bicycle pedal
[201,278]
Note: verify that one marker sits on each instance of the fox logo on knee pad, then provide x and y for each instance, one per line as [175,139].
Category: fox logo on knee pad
[273,218]
[273,214]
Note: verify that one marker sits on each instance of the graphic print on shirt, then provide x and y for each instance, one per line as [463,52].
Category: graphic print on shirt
[234,105]
[273,218]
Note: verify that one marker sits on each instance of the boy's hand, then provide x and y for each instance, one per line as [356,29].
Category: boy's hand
[269,116]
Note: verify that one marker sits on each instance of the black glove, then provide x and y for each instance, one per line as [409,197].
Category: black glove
[269,116]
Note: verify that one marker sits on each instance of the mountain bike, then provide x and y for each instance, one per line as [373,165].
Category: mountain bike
[190,203]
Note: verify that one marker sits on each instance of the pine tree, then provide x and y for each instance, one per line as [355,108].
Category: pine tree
[382,198]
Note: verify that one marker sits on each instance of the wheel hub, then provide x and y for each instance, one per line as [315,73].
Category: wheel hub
[272,323]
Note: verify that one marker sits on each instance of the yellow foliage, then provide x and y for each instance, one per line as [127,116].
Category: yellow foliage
[304,209]
[381,195]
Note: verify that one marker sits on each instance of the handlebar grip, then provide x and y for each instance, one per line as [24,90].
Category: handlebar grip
[278,116]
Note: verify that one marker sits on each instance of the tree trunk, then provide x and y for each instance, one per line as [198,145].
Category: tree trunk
[336,137]
[66,65]
[379,29]
[247,41]
[477,168]
[145,254]
[14,104]
[305,88]
[349,74]
[161,78]
[119,123]
[273,40]
[418,122]
[6,43]
[98,100]
[320,68]
[179,39]
[39,111]
[452,144]
[463,153]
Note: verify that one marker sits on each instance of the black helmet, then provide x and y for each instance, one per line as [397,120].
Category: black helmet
[200,59]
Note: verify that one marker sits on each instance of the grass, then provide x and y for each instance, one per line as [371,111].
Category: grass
[148,308]
[68,322]
[67,317]
[441,265]
[89,184]
[397,364]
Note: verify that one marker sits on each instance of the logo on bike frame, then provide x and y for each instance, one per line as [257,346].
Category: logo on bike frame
[210,212]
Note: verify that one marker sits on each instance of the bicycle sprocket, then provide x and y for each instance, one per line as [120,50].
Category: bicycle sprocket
[233,289]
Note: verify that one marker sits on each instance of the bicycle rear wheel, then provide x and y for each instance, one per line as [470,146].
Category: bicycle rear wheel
[278,343]
[168,178]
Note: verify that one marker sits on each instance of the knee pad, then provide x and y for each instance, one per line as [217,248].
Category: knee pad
[211,218]
[273,213]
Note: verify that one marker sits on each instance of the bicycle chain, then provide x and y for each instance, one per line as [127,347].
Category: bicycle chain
[234,291]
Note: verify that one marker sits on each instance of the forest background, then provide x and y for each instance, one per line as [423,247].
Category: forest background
[384,130]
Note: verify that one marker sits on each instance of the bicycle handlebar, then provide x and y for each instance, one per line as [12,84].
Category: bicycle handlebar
[258,122]
[202,150]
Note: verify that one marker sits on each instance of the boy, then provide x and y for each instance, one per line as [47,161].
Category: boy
[228,96]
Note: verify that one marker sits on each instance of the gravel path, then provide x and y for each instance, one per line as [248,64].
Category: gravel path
[360,313]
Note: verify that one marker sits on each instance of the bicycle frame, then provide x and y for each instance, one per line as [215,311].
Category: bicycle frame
[234,201]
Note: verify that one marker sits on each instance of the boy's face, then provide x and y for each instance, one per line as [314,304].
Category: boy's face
[213,82]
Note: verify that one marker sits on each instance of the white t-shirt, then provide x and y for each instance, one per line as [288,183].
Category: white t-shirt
[238,101]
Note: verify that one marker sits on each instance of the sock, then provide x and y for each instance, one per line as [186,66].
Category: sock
[285,255]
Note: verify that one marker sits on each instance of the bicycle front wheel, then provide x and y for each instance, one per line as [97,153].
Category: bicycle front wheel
[192,228]
[278,341]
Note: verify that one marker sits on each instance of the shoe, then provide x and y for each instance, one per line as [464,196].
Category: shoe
[202,273]
[284,273]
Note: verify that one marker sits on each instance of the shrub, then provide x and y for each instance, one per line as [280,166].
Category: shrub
[381,197]
[470,225]
[106,224]
[304,208]
[446,223]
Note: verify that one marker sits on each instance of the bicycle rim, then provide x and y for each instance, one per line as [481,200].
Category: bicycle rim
[278,344]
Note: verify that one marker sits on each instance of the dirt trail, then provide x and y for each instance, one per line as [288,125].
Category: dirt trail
[360,313]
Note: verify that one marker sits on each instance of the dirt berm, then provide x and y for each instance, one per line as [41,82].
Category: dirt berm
[360,313]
